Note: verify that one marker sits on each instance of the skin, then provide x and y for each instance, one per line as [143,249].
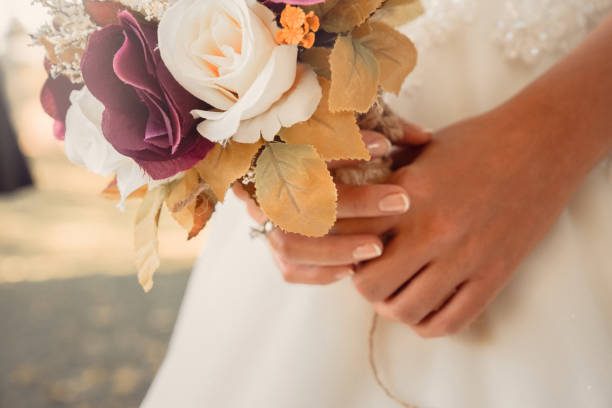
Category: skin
[483,194]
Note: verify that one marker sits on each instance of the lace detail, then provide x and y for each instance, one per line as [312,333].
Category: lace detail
[441,19]
[530,29]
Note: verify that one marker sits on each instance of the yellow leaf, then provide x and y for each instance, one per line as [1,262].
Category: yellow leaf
[335,136]
[344,15]
[399,12]
[318,59]
[295,189]
[355,76]
[224,165]
[145,236]
[395,53]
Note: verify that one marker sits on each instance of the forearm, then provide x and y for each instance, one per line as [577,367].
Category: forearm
[568,111]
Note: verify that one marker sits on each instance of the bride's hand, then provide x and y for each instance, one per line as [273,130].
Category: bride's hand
[326,260]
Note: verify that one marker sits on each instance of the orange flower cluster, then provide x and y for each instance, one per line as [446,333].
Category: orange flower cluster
[298,27]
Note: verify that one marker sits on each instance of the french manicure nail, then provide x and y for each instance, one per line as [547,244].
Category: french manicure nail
[379,147]
[395,203]
[345,274]
[366,252]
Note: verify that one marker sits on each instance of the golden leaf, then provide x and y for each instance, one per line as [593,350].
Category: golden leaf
[355,76]
[145,236]
[362,30]
[322,9]
[399,12]
[344,15]
[335,136]
[191,203]
[111,192]
[295,189]
[318,59]
[224,165]
[395,53]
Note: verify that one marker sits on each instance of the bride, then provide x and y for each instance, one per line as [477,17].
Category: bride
[496,287]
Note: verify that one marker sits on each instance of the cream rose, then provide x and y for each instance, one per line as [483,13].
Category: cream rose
[224,52]
[86,146]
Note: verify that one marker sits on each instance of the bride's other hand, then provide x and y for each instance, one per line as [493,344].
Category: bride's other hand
[321,261]
[486,191]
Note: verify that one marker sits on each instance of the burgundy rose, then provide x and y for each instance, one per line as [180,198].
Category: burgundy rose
[147,113]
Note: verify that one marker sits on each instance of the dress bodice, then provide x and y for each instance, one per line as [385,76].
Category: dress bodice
[475,54]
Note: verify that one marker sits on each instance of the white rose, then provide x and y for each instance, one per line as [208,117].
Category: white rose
[86,145]
[225,53]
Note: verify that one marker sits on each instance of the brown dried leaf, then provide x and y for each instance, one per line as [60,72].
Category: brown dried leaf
[181,199]
[224,165]
[295,189]
[204,209]
[145,236]
[191,203]
[395,53]
[111,192]
[355,76]
[335,136]
[399,12]
[318,59]
[344,15]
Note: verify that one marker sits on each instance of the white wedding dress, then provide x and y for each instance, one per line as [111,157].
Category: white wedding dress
[246,339]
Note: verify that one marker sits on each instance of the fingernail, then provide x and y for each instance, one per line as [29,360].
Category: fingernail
[379,147]
[345,274]
[366,252]
[395,203]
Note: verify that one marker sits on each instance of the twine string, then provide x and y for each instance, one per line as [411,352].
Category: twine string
[374,368]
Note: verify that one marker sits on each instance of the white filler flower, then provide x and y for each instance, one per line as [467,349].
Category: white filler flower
[86,145]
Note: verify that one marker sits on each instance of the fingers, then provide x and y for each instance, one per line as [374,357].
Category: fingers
[310,274]
[331,250]
[376,143]
[373,226]
[426,293]
[371,201]
[415,135]
[463,308]
[253,209]
[379,279]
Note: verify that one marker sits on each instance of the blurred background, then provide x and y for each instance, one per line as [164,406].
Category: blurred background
[76,330]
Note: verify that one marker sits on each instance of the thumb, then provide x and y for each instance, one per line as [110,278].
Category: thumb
[414,134]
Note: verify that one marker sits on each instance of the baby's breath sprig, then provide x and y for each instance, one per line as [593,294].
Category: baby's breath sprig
[65,37]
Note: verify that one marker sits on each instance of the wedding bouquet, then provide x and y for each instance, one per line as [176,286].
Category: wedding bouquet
[179,99]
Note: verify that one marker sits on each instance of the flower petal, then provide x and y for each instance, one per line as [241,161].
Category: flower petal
[297,105]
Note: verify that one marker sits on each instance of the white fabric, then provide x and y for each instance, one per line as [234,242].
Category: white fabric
[246,339]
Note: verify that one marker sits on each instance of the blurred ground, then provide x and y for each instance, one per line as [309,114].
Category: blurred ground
[76,330]
[92,342]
